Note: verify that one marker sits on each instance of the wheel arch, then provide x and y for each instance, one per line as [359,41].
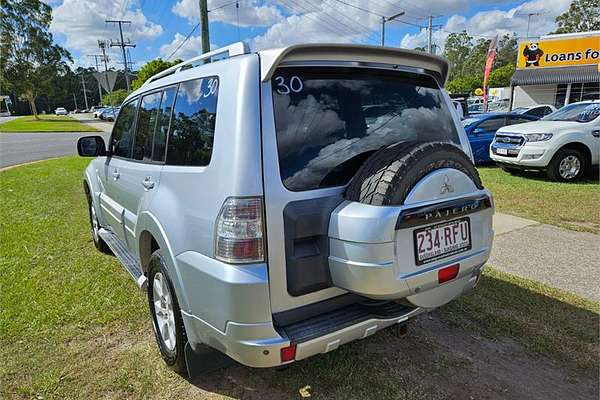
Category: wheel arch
[152,236]
[581,147]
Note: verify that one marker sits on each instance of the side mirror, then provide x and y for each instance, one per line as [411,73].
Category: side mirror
[91,146]
[477,131]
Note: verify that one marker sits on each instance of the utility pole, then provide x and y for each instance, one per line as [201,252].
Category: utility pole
[98,70]
[385,19]
[102,44]
[84,94]
[75,101]
[122,44]
[429,28]
[430,34]
[204,26]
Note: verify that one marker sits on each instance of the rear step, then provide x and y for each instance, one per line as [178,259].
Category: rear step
[341,318]
[126,258]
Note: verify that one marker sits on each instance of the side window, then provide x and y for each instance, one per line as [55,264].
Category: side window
[491,125]
[162,125]
[518,120]
[193,123]
[122,134]
[147,116]
[538,111]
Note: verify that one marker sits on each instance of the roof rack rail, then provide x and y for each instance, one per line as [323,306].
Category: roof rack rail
[234,49]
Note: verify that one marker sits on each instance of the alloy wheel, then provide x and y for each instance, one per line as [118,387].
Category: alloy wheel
[163,309]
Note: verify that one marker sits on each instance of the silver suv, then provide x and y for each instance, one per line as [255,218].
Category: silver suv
[276,205]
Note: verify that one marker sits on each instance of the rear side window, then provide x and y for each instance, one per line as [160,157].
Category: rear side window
[122,134]
[329,120]
[162,125]
[193,122]
[492,124]
[147,116]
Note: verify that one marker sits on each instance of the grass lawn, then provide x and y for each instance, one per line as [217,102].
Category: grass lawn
[531,195]
[46,123]
[73,324]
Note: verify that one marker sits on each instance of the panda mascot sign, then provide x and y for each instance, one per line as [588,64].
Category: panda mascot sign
[532,54]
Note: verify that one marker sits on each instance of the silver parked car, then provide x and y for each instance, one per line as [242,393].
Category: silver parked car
[276,205]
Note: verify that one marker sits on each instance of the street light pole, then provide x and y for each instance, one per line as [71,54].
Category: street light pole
[102,45]
[385,19]
[84,94]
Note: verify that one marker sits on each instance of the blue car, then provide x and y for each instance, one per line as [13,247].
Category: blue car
[482,128]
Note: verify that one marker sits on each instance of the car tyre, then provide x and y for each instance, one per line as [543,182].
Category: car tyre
[567,165]
[95,229]
[389,174]
[167,322]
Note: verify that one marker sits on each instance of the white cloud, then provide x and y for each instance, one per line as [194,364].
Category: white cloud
[486,24]
[82,23]
[191,48]
[249,13]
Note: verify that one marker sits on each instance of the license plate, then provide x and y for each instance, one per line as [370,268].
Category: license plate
[442,240]
[502,152]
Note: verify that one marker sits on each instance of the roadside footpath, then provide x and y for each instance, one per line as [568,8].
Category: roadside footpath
[560,258]
[89,119]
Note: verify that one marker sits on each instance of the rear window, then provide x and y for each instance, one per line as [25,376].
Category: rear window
[329,120]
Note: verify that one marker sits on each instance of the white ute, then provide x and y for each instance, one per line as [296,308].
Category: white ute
[565,143]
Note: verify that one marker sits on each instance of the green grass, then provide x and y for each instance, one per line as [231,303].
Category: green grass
[73,324]
[531,195]
[46,123]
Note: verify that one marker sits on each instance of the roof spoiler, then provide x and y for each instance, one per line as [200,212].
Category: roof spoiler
[359,54]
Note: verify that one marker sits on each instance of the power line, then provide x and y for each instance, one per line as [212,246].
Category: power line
[183,42]
[371,37]
[358,8]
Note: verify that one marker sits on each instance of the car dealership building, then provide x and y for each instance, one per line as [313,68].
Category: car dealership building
[557,70]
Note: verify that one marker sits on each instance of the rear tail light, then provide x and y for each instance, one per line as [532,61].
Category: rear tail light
[448,273]
[239,232]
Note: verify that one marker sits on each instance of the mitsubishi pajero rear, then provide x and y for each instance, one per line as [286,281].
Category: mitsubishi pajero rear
[276,205]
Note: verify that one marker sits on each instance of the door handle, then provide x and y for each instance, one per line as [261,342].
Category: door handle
[116,175]
[596,133]
[148,183]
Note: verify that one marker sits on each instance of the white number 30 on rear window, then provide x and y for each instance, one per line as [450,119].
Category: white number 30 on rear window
[293,85]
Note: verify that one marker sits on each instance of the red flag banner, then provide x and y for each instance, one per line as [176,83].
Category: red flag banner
[491,54]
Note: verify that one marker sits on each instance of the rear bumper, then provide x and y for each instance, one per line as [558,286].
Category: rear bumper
[259,345]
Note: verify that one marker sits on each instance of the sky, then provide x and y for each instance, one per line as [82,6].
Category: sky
[158,28]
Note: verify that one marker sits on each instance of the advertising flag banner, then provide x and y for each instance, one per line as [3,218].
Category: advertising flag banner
[491,54]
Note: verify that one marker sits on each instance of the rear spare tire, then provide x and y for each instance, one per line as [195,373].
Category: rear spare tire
[387,177]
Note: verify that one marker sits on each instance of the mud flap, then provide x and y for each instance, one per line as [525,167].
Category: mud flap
[205,360]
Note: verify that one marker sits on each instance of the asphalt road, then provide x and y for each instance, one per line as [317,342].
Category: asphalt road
[19,148]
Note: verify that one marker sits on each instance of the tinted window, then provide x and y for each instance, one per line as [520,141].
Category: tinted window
[122,135]
[492,125]
[539,111]
[162,126]
[518,120]
[147,115]
[193,122]
[328,120]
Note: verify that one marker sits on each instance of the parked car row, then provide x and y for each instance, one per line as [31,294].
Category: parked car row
[564,143]
[106,113]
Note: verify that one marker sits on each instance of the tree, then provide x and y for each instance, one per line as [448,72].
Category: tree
[117,97]
[500,77]
[29,59]
[151,68]
[582,16]
[508,46]
[464,84]
[456,51]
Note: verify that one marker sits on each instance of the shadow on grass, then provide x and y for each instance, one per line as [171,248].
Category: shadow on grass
[591,176]
[522,339]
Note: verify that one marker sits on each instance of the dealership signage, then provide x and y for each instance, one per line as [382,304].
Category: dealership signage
[559,52]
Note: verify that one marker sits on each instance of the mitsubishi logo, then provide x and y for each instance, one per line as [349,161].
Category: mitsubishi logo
[446,186]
